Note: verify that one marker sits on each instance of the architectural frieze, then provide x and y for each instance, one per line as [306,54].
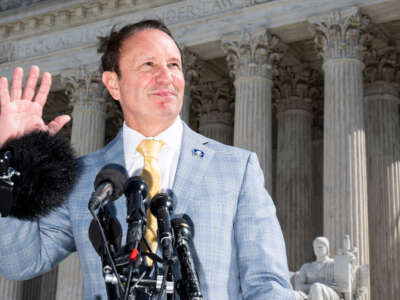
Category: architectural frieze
[252,54]
[103,9]
[12,4]
[69,19]
[340,34]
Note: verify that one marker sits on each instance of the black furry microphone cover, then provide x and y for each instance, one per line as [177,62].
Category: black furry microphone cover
[48,171]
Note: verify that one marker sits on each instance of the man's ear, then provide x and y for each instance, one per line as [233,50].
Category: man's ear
[110,80]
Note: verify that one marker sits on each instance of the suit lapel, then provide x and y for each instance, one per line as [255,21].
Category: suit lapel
[191,167]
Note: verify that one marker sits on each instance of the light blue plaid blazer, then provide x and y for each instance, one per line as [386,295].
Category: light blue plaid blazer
[239,248]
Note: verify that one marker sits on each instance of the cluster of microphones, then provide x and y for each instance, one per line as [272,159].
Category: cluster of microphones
[36,180]
[126,273]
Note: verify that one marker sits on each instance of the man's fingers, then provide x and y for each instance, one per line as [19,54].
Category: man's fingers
[16,85]
[58,123]
[4,95]
[31,82]
[43,92]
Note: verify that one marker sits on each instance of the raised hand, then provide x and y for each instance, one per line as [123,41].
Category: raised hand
[21,113]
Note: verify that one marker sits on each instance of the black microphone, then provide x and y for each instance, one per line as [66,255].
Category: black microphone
[112,231]
[136,192]
[183,228]
[161,206]
[108,185]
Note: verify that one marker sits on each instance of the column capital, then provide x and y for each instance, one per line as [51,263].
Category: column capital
[192,65]
[340,34]
[296,89]
[213,102]
[84,86]
[382,65]
[251,53]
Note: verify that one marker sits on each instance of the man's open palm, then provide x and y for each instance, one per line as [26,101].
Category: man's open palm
[21,113]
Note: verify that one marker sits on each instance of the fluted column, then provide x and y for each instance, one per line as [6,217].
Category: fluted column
[89,111]
[339,38]
[213,104]
[294,178]
[11,290]
[383,151]
[192,66]
[250,58]
[88,132]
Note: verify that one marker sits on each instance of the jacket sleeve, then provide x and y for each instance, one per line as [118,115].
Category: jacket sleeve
[261,249]
[31,248]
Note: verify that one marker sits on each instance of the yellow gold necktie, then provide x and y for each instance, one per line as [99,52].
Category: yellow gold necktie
[150,150]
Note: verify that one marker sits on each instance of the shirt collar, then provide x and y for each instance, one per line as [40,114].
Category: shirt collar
[172,136]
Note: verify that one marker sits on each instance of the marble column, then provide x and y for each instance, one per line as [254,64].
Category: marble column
[383,152]
[11,290]
[87,95]
[294,91]
[214,109]
[339,37]
[43,287]
[191,68]
[250,56]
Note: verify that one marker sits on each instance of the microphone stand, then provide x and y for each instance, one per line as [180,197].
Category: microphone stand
[110,274]
[122,265]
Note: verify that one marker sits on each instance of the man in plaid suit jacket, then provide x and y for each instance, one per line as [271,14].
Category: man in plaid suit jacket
[238,247]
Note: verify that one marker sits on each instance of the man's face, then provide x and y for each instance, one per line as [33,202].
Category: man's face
[151,83]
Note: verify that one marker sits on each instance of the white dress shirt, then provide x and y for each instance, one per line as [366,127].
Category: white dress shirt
[169,154]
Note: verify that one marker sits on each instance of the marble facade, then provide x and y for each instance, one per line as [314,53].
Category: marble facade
[311,86]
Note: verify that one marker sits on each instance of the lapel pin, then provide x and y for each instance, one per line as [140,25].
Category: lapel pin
[198,153]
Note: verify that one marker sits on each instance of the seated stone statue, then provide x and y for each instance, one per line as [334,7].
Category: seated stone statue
[332,278]
[316,279]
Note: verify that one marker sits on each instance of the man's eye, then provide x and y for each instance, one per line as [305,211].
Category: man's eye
[175,65]
[148,63]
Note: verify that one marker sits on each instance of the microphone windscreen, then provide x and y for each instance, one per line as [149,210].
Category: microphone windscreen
[162,200]
[48,171]
[114,173]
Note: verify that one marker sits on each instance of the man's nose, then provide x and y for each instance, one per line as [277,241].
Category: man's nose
[164,75]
